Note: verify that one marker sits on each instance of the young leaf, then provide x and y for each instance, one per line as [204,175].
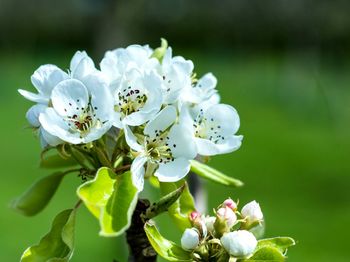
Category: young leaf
[112,199]
[165,248]
[266,254]
[56,161]
[214,175]
[180,210]
[160,51]
[281,243]
[57,245]
[164,203]
[38,195]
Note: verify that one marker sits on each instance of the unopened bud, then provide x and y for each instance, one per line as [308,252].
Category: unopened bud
[209,223]
[230,203]
[228,215]
[190,239]
[240,244]
[251,212]
[194,215]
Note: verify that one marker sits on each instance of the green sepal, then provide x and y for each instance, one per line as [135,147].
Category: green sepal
[57,161]
[111,198]
[164,247]
[160,51]
[183,206]
[214,175]
[58,244]
[164,203]
[38,195]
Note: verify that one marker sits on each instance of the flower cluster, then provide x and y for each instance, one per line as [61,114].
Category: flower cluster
[228,233]
[166,115]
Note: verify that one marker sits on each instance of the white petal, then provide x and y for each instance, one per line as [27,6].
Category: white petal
[33,113]
[81,65]
[48,139]
[69,96]
[208,81]
[96,132]
[181,141]
[131,140]
[139,118]
[46,77]
[101,98]
[226,116]
[206,147]
[37,98]
[55,125]
[173,171]
[162,121]
[138,172]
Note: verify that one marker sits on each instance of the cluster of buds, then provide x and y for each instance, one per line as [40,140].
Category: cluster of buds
[227,234]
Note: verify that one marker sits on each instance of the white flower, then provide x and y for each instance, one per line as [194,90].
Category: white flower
[190,239]
[240,244]
[176,75]
[252,212]
[137,99]
[227,215]
[166,146]
[81,111]
[214,129]
[204,90]
[44,79]
[115,63]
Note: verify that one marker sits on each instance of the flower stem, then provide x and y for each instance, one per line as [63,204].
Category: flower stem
[140,248]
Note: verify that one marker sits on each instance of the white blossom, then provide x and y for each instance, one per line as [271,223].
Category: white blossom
[44,79]
[117,62]
[81,111]
[137,99]
[176,75]
[214,128]
[252,212]
[190,239]
[240,244]
[165,145]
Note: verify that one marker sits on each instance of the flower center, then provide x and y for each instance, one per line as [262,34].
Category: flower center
[158,148]
[130,101]
[207,128]
[84,120]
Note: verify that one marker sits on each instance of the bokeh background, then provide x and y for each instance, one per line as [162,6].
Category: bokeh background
[284,65]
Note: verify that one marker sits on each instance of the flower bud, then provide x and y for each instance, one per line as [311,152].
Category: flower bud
[194,215]
[251,212]
[228,215]
[230,203]
[209,223]
[240,244]
[190,239]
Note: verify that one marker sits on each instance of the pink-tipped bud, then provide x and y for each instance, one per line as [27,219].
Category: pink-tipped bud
[194,215]
[230,203]
[227,215]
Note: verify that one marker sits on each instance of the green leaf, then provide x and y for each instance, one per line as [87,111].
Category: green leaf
[112,199]
[180,210]
[266,254]
[164,203]
[38,195]
[281,243]
[214,175]
[57,245]
[165,248]
[160,51]
[56,161]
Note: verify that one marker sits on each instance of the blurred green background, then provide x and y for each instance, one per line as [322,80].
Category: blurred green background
[284,65]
